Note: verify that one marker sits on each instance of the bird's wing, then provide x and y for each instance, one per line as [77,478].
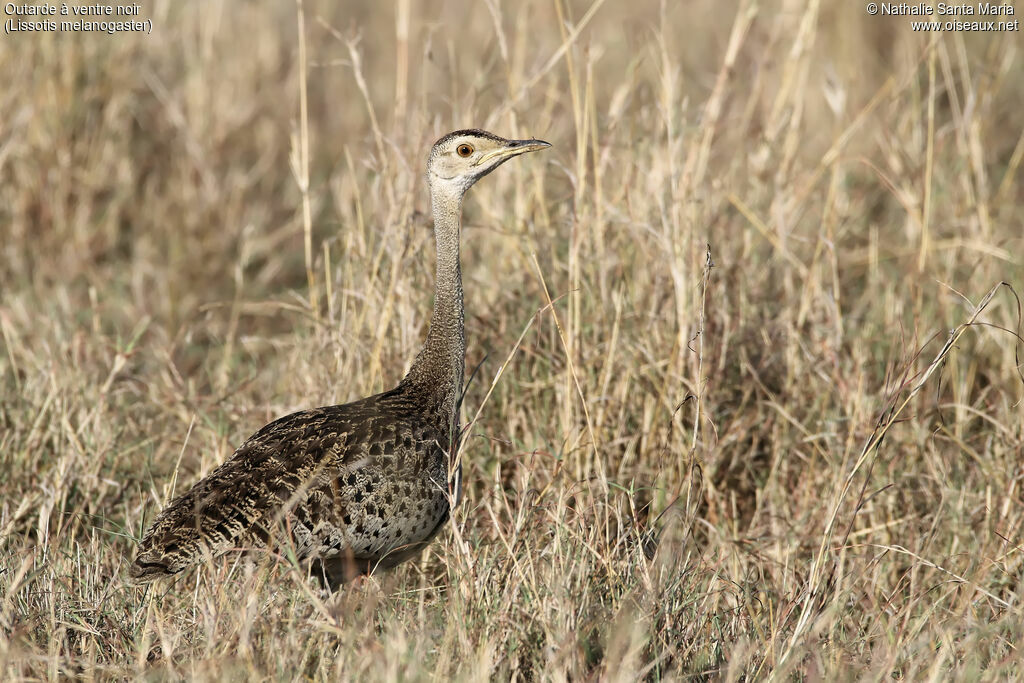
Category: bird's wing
[241,501]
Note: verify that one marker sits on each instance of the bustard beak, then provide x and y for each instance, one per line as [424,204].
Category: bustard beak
[511,149]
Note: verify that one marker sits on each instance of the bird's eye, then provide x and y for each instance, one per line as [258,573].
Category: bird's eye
[464,150]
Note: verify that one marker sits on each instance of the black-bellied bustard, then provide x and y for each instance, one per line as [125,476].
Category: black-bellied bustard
[362,485]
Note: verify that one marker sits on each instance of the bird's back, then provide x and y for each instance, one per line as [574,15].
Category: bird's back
[354,486]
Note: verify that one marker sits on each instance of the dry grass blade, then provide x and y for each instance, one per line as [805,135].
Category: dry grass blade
[811,595]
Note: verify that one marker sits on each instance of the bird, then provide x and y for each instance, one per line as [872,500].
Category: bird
[361,486]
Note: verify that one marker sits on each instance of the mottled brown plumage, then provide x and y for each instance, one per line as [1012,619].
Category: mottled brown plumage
[358,486]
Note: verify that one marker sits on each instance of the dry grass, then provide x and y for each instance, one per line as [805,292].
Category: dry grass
[756,230]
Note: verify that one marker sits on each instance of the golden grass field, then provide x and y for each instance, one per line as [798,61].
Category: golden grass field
[743,407]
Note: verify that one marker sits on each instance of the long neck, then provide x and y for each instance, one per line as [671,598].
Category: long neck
[438,369]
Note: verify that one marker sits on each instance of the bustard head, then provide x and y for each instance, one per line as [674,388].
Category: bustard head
[461,158]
